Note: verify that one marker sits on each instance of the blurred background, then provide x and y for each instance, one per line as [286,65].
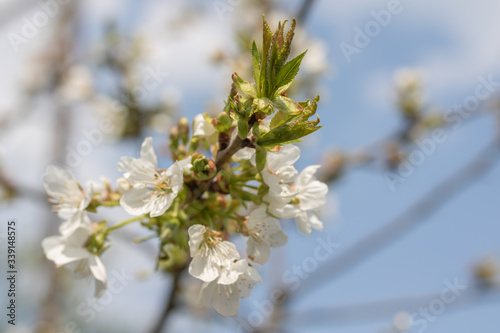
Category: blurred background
[410,93]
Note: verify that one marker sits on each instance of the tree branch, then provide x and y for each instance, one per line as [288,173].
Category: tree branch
[170,303]
[223,156]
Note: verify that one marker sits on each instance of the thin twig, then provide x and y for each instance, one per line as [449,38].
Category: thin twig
[223,156]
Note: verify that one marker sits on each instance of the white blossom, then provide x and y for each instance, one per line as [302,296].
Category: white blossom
[210,253]
[311,195]
[235,282]
[201,127]
[279,165]
[264,232]
[77,84]
[65,192]
[153,190]
[69,249]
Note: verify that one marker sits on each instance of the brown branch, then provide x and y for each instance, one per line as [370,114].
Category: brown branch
[170,302]
[223,157]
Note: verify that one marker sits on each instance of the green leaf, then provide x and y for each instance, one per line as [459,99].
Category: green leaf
[287,105]
[256,130]
[279,118]
[260,158]
[288,133]
[246,87]
[267,39]
[286,128]
[242,128]
[287,73]
[256,66]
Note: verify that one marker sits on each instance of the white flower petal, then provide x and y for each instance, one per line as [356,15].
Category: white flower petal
[226,300]
[244,154]
[99,272]
[286,156]
[258,251]
[196,233]
[204,268]
[137,201]
[147,152]
[201,127]
[303,224]
[315,222]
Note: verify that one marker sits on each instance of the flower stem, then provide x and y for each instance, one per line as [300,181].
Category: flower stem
[124,223]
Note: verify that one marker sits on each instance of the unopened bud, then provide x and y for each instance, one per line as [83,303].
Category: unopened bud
[183,128]
[203,168]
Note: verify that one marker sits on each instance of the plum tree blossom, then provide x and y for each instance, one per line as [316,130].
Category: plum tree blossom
[237,281]
[210,253]
[309,194]
[66,194]
[233,175]
[264,232]
[201,127]
[153,190]
[75,249]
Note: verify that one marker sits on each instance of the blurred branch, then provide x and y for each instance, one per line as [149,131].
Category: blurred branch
[49,308]
[408,219]
[380,309]
[399,226]
[170,301]
[304,11]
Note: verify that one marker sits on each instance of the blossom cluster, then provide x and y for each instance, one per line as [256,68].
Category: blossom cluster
[234,174]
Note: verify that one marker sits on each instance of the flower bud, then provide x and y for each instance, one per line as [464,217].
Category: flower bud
[183,127]
[203,168]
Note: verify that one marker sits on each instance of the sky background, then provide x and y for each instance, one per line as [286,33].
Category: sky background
[452,42]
